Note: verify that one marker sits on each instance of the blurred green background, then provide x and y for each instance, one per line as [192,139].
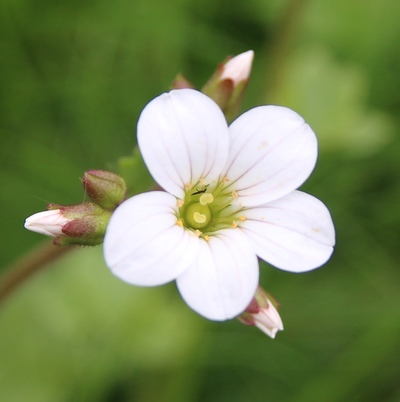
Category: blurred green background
[74,77]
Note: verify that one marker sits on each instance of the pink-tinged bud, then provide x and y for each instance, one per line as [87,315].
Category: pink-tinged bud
[238,68]
[262,313]
[228,84]
[83,224]
[48,223]
[104,188]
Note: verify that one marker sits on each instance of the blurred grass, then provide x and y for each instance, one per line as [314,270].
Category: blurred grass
[74,78]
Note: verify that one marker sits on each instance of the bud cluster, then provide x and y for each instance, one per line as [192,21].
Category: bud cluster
[86,223]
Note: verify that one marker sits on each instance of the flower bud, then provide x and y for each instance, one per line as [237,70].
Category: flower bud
[83,224]
[48,223]
[227,85]
[104,188]
[262,313]
[238,68]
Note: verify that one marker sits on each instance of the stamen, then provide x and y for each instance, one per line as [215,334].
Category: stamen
[206,198]
[234,224]
[206,237]
[179,223]
[180,203]
[242,218]
[234,194]
[197,233]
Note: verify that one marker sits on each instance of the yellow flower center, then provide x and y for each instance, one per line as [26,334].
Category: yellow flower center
[208,208]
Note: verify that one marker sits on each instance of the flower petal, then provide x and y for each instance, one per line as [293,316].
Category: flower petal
[272,152]
[48,223]
[268,320]
[183,137]
[294,233]
[143,243]
[223,279]
[238,68]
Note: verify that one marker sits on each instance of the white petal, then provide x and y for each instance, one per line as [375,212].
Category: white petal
[183,137]
[294,233]
[144,245]
[223,279]
[48,223]
[272,152]
[268,320]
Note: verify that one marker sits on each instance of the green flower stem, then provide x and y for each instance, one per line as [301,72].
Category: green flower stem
[286,34]
[30,264]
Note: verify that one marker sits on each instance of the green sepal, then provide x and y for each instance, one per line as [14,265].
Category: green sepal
[86,227]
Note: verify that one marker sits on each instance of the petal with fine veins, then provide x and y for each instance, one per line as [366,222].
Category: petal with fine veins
[272,152]
[294,233]
[183,137]
[223,279]
[143,243]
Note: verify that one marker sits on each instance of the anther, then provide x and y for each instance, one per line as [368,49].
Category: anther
[206,198]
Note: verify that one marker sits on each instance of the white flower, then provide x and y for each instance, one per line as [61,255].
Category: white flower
[230,196]
[48,223]
[238,68]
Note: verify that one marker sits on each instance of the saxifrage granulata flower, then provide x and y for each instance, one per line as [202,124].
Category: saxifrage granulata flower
[230,197]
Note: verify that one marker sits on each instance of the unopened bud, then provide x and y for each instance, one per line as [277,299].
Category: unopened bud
[83,224]
[48,223]
[104,188]
[238,68]
[262,313]
[227,85]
